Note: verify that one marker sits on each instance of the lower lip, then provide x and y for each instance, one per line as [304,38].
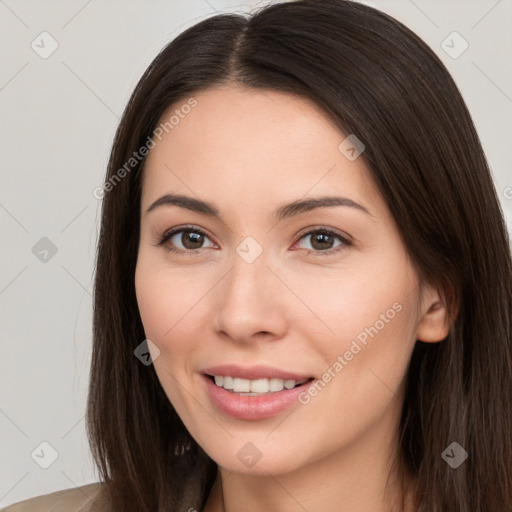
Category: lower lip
[252,407]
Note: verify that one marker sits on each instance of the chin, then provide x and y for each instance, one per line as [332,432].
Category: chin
[258,457]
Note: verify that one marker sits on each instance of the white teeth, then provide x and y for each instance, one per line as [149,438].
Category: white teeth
[241,385]
[276,384]
[255,387]
[289,384]
[260,386]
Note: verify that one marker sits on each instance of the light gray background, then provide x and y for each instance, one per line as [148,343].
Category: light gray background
[58,117]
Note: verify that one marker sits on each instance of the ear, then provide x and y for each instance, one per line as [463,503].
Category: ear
[434,324]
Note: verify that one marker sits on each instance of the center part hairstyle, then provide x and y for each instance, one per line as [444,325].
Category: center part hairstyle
[378,80]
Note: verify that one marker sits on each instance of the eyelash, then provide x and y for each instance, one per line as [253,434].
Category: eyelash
[168,235]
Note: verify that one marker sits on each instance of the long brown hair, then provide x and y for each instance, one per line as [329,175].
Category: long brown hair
[376,79]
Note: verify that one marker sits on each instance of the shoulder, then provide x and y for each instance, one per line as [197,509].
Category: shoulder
[76,499]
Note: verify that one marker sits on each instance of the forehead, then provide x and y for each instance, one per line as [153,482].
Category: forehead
[250,145]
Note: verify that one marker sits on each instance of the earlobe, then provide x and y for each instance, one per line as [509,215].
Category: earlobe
[434,324]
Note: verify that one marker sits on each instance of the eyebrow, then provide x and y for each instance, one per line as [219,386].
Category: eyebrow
[283,212]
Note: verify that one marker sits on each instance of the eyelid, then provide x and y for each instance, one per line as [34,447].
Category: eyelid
[319,227]
[168,234]
[346,240]
[343,237]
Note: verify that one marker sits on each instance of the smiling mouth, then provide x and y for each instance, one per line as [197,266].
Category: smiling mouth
[255,387]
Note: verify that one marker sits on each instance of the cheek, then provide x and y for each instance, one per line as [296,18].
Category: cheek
[372,316]
[353,304]
[163,310]
[152,302]
[165,300]
[363,373]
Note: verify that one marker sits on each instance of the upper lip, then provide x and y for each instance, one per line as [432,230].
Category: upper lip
[254,372]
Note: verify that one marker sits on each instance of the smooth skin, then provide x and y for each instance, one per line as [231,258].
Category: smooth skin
[248,152]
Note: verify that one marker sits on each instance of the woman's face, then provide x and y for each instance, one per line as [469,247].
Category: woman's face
[266,300]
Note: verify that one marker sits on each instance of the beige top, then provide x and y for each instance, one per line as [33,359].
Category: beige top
[77,499]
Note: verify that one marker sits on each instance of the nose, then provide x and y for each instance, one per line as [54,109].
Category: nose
[251,302]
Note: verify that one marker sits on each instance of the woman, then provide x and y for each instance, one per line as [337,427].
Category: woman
[368,370]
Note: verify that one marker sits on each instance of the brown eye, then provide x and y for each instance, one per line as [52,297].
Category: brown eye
[184,240]
[190,239]
[322,240]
